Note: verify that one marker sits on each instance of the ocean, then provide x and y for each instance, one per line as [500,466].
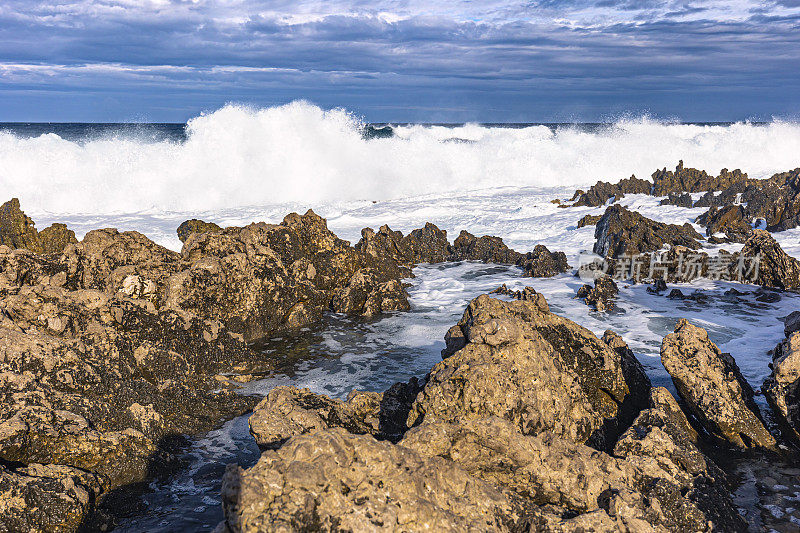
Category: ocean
[238,165]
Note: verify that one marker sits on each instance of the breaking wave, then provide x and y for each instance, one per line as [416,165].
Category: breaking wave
[239,156]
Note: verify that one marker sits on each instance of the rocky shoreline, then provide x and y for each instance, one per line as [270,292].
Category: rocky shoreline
[114,349]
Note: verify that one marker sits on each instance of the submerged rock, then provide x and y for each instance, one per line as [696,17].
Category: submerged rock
[622,232]
[713,387]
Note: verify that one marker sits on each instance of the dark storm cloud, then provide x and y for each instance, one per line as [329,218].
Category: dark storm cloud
[510,60]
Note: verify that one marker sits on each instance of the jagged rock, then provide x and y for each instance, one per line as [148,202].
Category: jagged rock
[367,295]
[589,220]
[623,232]
[195,226]
[691,489]
[45,498]
[55,238]
[782,387]
[635,375]
[791,323]
[487,249]
[713,387]
[602,295]
[517,361]
[679,200]
[775,268]
[17,230]
[602,192]
[265,278]
[542,263]
[428,244]
[693,180]
[386,244]
[730,220]
[333,481]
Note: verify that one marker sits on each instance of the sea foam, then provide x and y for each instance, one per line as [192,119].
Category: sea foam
[238,156]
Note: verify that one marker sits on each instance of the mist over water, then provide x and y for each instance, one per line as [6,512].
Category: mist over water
[238,156]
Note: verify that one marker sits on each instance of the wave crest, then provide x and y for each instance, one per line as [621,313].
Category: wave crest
[239,156]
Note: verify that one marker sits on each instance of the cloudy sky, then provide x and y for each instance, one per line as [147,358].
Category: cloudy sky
[406,60]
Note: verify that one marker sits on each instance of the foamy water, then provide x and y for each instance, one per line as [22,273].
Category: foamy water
[300,153]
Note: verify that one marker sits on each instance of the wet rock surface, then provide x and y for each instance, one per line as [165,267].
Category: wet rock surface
[714,389]
[731,220]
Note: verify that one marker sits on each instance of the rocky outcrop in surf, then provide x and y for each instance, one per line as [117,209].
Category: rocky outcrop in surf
[623,232]
[602,295]
[496,436]
[429,244]
[774,267]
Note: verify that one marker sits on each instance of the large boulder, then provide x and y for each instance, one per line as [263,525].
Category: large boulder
[516,360]
[775,268]
[782,387]
[713,388]
[542,263]
[621,232]
[287,412]
[731,220]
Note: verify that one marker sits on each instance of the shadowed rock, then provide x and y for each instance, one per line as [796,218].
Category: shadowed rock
[776,269]
[713,387]
[623,232]
[782,387]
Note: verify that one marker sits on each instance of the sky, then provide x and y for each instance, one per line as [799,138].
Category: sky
[401,60]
